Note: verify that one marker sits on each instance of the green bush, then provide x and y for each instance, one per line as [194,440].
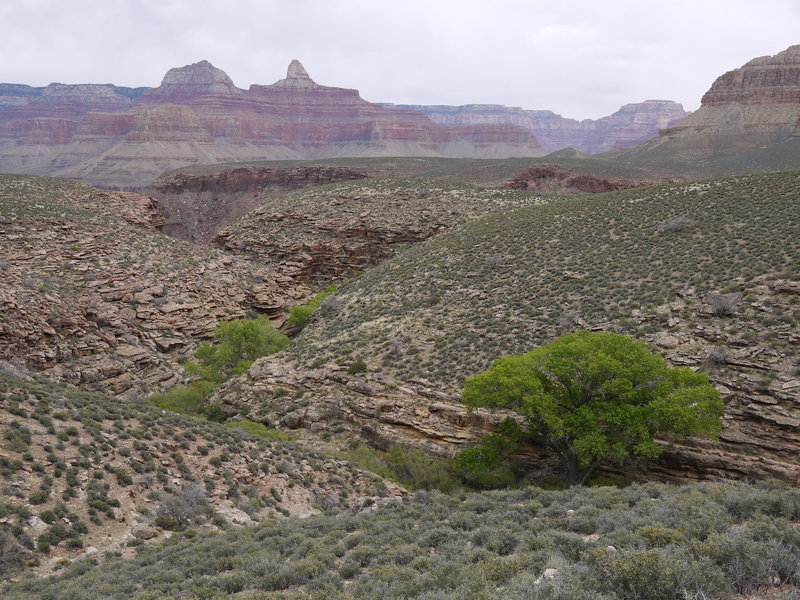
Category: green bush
[670,573]
[357,366]
[259,430]
[185,399]
[597,397]
[238,344]
[39,496]
[409,467]
[300,313]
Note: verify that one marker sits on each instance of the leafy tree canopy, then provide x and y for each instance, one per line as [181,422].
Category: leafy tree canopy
[238,344]
[593,398]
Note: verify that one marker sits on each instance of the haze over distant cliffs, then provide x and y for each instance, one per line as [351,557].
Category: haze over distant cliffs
[126,137]
[630,125]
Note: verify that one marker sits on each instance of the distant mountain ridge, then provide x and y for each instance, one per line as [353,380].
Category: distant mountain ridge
[121,137]
[632,124]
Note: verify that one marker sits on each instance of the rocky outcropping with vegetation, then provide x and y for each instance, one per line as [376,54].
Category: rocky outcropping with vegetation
[92,293]
[197,205]
[701,271]
[326,233]
[86,474]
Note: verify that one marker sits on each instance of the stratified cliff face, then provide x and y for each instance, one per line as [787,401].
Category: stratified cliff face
[197,206]
[125,138]
[755,108]
[558,179]
[630,125]
[764,80]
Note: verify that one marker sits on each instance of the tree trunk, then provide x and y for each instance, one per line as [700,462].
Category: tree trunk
[573,474]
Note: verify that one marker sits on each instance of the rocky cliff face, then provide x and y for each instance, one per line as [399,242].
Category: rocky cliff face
[755,108]
[118,137]
[764,80]
[183,84]
[630,125]
[325,234]
[197,206]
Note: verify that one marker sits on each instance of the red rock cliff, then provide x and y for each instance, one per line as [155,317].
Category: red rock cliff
[121,137]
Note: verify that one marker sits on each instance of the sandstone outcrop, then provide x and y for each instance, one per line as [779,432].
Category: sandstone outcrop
[630,125]
[118,137]
[323,234]
[764,80]
[197,205]
[558,179]
[93,294]
[187,83]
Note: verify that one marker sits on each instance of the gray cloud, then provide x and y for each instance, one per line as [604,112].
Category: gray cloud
[581,59]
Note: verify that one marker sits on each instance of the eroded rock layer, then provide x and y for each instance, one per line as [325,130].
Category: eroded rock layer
[630,125]
[554,178]
[119,137]
[754,109]
[93,294]
[197,206]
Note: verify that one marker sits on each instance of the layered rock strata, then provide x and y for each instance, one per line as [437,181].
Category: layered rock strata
[197,206]
[631,125]
[558,179]
[324,234]
[753,108]
[118,137]
[93,294]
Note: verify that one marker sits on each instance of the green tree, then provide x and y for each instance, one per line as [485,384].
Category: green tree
[238,344]
[597,397]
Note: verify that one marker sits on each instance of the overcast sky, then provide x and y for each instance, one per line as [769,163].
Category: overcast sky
[579,58]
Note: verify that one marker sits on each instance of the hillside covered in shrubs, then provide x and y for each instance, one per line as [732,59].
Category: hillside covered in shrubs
[643,542]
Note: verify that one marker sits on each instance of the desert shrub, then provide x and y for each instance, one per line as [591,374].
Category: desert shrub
[259,430]
[300,313]
[723,305]
[357,366]
[12,554]
[756,556]
[39,496]
[123,477]
[238,344]
[18,437]
[676,224]
[410,467]
[670,573]
[185,506]
[332,304]
[186,399]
